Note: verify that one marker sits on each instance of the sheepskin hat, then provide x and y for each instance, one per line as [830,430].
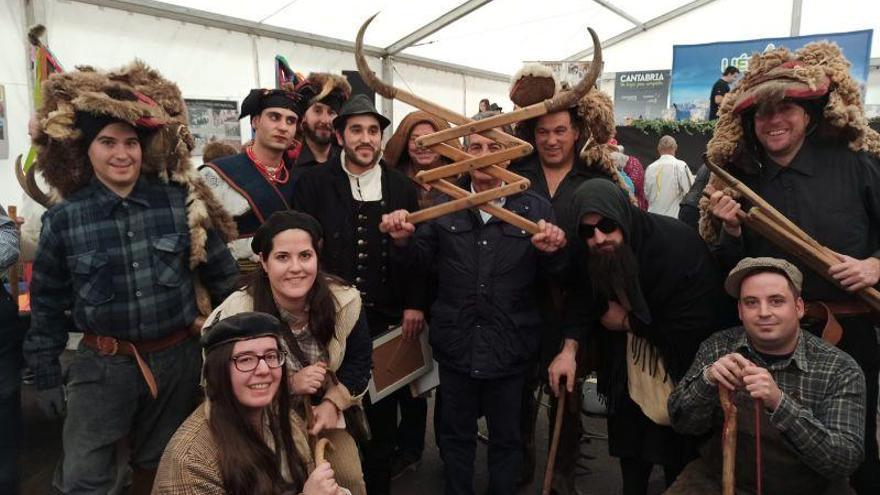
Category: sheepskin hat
[535,82]
[140,96]
[817,76]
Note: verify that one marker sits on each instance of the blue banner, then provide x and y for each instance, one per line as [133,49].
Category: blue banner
[695,68]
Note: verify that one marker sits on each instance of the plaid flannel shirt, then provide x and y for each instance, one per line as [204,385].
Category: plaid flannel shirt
[8,241]
[120,266]
[822,412]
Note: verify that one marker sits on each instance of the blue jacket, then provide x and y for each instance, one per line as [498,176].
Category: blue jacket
[485,320]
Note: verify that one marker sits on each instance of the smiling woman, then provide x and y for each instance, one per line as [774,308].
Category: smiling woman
[244,439]
[326,338]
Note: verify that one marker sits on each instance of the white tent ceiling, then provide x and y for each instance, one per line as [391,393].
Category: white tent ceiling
[498,35]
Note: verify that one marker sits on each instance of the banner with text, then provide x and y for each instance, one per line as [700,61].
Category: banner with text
[640,95]
[695,68]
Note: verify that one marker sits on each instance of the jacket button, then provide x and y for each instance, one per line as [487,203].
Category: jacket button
[361,268]
[358,280]
[362,256]
[362,242]
[452,228]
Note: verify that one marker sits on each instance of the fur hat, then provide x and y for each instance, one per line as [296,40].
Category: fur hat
[533,83]
[140,96]
[330,89]
[818,75]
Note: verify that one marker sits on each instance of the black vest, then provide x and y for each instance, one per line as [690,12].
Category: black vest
[263,196]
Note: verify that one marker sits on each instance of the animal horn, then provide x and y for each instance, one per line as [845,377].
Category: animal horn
[29,184]
[568,99]
[367,74]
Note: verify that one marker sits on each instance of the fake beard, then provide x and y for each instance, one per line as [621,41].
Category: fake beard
[612,270]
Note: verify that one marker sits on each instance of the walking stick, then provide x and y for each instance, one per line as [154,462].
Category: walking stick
[554,442]
[759,483]
[320,447]
[728,442]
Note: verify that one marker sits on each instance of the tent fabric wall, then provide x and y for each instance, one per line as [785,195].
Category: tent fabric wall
[14,78]
[207,63]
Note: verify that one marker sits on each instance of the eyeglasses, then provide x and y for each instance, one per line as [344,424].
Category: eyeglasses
[249,362]
[606,226]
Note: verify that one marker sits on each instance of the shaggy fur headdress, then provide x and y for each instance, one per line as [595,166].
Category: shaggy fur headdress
[781,74]
[140,96]
[331,89]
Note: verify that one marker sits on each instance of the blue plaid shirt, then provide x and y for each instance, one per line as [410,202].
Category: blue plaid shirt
[120,265]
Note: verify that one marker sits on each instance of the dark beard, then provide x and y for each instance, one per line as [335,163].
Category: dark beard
[611,270]
[351,156]
[311,135]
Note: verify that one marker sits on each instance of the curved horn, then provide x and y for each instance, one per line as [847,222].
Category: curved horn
[367,74]
[568,99]
[29,184]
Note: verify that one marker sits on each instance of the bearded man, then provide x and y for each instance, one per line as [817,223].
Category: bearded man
[649,287]
[348,196]
[323,95]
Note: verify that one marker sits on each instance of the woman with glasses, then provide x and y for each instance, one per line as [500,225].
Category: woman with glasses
[243,439]
[326,336]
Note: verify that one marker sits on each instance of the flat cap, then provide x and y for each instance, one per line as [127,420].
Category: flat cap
[241,326]
[748,266]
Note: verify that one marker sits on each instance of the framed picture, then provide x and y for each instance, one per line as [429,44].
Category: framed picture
[213,120]
[396,363]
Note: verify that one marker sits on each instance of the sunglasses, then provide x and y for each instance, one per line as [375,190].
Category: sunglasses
[606,226]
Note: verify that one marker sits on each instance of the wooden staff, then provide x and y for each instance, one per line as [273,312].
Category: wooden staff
[759,482]
[776,228]
[554,442]
[819,260]
[728,442]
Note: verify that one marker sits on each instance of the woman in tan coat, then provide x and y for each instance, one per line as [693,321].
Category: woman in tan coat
[244,439]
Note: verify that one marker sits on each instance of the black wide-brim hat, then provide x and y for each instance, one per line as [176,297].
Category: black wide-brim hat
[359,105]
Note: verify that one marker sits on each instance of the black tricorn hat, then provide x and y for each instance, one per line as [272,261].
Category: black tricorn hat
[241,326]
[359,105]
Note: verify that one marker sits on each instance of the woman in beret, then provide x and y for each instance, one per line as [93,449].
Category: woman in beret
[244,439]
[329,344]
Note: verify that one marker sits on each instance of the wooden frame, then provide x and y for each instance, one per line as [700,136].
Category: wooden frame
[396,363]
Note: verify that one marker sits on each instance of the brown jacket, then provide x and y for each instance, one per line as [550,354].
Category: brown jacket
[189,463]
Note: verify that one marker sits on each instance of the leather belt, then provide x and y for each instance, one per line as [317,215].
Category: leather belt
[828,310]
[111,346]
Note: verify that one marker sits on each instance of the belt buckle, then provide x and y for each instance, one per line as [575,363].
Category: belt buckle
[107,346]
